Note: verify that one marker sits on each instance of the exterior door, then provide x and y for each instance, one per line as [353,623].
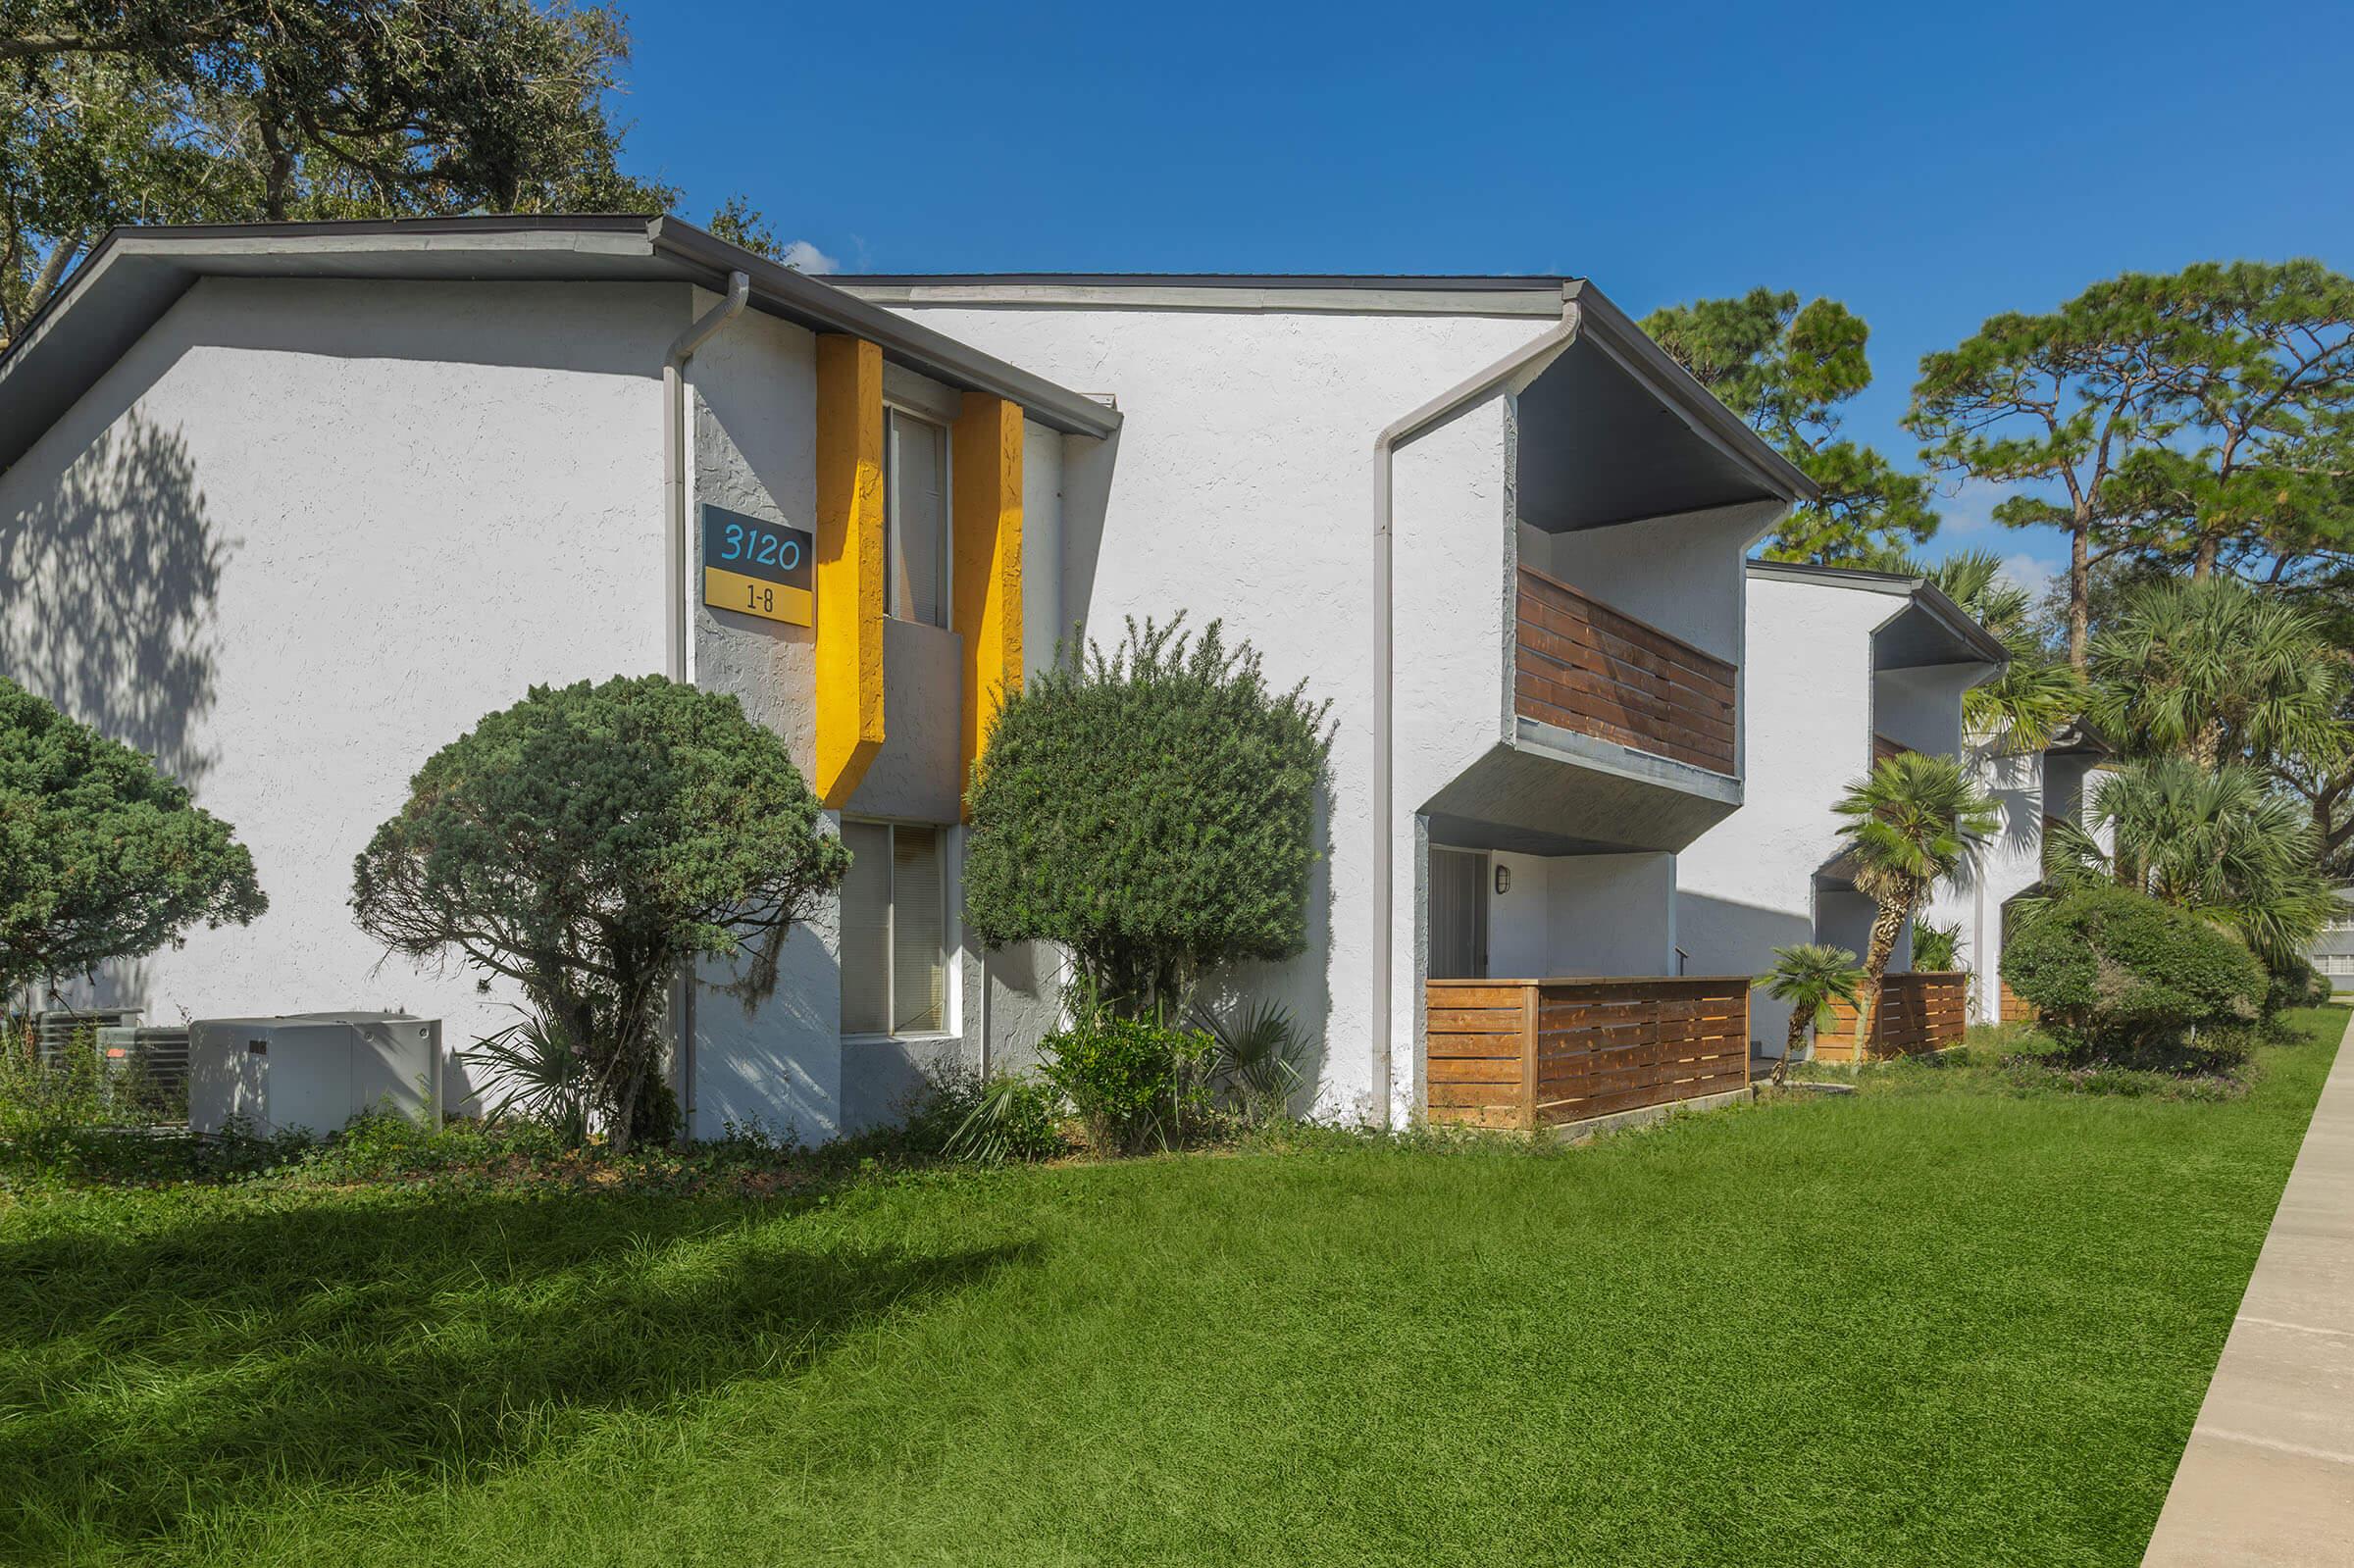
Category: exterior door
[1458,914]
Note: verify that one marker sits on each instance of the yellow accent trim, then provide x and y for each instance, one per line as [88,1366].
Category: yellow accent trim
[748,596]
[987,463]
[850,563]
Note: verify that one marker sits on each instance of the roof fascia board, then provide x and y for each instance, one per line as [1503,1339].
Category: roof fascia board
[1542,301]
[1923,593]
[796,297]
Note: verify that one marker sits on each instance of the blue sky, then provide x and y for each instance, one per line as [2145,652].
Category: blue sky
[1928,165]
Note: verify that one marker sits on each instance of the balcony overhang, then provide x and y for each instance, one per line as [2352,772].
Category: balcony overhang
[1551,792]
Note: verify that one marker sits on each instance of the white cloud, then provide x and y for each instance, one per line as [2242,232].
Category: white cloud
[2031,557]
[801,256]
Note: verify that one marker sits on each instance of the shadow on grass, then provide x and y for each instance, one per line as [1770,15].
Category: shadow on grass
[249,1350]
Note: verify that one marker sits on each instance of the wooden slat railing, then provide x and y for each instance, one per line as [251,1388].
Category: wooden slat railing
[1918,1011]
[1532,1053]
[1588,667]
[1883,748]
[2014,1008]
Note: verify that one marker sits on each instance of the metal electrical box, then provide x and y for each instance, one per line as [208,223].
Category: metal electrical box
[312,1070]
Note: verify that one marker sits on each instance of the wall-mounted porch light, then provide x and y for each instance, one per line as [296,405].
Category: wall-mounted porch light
[1503,878]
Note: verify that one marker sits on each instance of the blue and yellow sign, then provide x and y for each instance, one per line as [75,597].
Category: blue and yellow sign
[756,568]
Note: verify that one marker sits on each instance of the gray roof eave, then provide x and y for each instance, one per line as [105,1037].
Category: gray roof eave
[135,275]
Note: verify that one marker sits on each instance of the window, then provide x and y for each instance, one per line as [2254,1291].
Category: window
[915,511]
[894,970]
[2335,963]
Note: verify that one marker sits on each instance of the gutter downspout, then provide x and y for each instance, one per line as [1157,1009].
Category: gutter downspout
[673,455]
[676,621]
[1522,365]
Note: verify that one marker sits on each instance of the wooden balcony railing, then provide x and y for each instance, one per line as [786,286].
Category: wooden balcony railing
[1532,1053]
[1883,748]
[1918,1011]
[1588,667]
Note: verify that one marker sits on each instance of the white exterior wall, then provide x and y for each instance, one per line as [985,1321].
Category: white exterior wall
[783,1065]
[1240,486]
[2008,864]
[303,534]
[2025,790]
[1921,708]
[1747,885]
[1566,916]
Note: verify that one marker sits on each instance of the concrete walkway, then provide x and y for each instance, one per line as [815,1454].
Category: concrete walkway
[2269,1475]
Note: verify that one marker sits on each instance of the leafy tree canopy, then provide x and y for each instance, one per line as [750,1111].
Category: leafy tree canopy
[101,856]
[1154,811]
[221,111]
[1786,369]
[2199,418]
[587,843]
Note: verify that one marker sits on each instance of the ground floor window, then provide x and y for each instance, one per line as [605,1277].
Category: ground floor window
[894,967]
[2335,963]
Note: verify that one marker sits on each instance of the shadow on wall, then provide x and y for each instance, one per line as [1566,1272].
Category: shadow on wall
[1725,937]
[1088,467]
[1302,985]
[107,596]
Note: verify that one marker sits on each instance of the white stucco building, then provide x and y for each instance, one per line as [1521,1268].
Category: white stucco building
[2031,790]
[1844,667]
[293,506]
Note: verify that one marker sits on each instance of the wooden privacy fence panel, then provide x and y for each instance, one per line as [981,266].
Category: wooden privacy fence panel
[1531,1053]
[1920,1011]
[2015,1008]
[1584,667]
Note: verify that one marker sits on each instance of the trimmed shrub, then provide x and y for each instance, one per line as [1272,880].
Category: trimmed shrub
[585,845]
[2295,984]
[2121,978]
[1153,812]
[102,855]
[1134,1084]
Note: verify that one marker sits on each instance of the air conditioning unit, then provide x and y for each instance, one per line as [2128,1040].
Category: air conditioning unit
[160,1059]
[57,1030]
[313,1070]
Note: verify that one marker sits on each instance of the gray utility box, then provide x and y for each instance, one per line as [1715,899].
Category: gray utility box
[312,1070]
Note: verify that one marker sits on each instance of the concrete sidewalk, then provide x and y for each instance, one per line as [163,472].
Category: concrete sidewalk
[2269,1474]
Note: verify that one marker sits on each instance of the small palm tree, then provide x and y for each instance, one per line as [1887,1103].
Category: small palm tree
[2218,843]
[2037,693]
[1810,977]
[1911,823]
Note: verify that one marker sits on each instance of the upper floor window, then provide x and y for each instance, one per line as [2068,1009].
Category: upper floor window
[895,965]
[915,511]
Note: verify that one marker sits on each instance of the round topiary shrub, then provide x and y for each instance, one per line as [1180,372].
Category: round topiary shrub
[2120,977]
[1153,811]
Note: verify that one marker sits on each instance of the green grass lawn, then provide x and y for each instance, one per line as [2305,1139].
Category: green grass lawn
[1942,1321]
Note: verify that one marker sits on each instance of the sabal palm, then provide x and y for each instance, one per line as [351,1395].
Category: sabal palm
[1810,977]
[2217,844]
[1911,823]
[2213,671]
[2037,691]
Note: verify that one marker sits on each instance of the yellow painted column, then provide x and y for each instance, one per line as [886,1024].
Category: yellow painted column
[986,571]
[850,563]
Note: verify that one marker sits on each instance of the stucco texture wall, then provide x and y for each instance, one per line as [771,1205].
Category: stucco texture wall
[782,1065]
[1746,886]
[306,532]
[1240,488]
